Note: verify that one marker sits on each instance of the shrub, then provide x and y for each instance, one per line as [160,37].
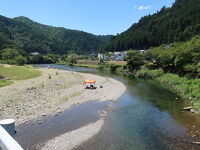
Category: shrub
[188,88]
[149,74]
[134,60]
[9,53]
[103,66]
[20,60]
[9,61]
[113,67]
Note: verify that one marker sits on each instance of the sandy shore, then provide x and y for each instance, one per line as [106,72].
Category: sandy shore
[34,98]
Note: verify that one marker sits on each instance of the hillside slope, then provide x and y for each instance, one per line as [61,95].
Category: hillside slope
[30,36]
[178,23]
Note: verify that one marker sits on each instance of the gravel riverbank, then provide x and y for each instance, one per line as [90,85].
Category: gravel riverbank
[53,92]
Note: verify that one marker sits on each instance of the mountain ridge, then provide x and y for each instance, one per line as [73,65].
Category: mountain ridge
[31,36]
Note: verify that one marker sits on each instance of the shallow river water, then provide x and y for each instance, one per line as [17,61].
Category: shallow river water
[147,116]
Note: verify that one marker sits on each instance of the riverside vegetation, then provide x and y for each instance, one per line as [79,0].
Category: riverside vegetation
[176,65]
[187,88]
[12,73]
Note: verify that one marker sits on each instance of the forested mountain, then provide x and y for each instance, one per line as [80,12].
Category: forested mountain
[178,23]
[29,36]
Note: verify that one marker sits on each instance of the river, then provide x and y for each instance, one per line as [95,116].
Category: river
[147,116]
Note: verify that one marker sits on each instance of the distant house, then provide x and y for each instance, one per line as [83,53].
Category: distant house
[115,56]
[104,56]
[100,56]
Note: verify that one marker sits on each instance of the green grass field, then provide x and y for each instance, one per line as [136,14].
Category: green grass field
[5,83]
[19,72]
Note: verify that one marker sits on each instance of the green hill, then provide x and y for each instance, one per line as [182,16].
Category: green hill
[178,23]
[29,36]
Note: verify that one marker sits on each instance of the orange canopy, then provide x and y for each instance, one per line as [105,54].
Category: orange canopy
[90,81]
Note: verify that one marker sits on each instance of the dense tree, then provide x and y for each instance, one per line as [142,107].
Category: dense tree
[134,60]
[178,23]
[9,53]
[72,58]
[37,59]
[181,58]
[30,36]
[20,60]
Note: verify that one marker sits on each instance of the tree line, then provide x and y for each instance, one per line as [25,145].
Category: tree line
[15,56]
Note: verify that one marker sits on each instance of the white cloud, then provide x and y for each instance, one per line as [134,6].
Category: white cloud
[143,7]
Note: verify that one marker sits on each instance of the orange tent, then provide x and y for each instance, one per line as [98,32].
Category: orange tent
[90,81]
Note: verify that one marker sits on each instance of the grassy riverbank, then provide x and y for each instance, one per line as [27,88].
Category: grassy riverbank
[17,73]
[5,83]
[187,88]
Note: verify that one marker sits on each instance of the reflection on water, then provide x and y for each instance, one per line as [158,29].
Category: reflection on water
[146,117]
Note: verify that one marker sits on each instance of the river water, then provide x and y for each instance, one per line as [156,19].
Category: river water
[147,116]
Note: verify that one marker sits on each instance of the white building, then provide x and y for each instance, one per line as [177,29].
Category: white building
[100,56]
[116,56]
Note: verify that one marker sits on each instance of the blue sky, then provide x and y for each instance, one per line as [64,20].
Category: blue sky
[94,16]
